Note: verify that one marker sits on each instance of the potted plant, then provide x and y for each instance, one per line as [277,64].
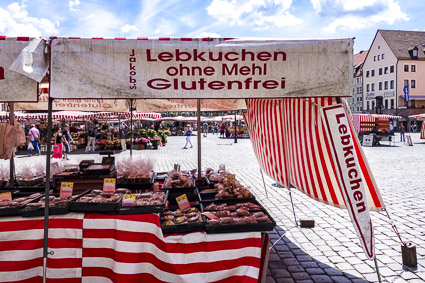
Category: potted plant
[155,141]
[163,134]
[141,142]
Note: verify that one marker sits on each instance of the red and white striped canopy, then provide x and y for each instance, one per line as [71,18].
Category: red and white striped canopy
[291,146]
[136,115]
[418,116]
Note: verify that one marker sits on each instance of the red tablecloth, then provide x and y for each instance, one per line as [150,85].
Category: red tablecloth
[123,248]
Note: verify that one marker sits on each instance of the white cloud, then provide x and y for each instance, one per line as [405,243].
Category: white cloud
[128,28]
[165,28]
[359,14]
[72,4]
[259,14]
[208,34]
[102,23]
[15,21]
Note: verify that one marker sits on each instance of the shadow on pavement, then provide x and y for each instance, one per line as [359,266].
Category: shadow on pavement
[289,263]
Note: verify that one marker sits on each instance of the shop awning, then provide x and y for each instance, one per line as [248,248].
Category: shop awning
[418,116]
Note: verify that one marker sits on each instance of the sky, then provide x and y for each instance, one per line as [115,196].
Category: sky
[286,19]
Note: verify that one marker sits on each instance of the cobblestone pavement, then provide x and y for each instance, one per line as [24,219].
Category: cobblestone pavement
[329,252]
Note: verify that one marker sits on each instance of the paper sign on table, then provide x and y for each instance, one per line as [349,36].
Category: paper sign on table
[6,196]
[109,184]
[66,190]
[210,215]
[183,202]
[129,200]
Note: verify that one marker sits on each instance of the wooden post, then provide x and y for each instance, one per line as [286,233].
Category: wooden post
[198,109]
[131,127]
[236,125]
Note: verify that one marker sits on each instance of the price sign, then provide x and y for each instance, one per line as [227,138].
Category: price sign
[209,215]
[129,200]
[183,202]
[66,190]
[109,184]
[6,196]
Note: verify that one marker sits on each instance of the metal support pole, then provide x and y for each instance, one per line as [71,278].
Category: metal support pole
[264,183]
[377,270]
[131,127]
[12,158]
[236,125]
[47,188]
[293,208]
[198,121]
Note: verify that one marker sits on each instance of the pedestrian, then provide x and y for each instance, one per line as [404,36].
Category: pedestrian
[222,129]
[57,148]
[67,140]
[34,137]
[188,133]
[216,128]
[205,128]
[123,137]
[91,142]
[402,131]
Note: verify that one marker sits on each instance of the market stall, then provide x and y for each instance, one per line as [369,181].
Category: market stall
[149,78]
[380,126]
[420,117]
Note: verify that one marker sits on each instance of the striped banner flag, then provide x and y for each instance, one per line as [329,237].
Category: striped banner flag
[293,147]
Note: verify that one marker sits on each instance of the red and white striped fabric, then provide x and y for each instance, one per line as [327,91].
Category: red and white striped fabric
[423,130]
[21,248]
[127,115]
[291,146]
[127,248]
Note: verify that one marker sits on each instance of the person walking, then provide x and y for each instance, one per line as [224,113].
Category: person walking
[215,130]
[188,133]
[402,131]
[91,140]
[57,149]
[34,137]
[67,140]
[205,128]
[123,137]
[222,129]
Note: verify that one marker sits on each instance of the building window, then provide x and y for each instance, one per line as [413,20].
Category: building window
[413,83]
[361,98]
[367,105]
[373,87]
[379,56]
[367,87]
[413,68]
[382,56]
[367,74]
[373,73]
[380,71]
[392,84]
[374,58]
[386,85]
[406,68]
[392,103]
[380,85]
[386,70]
[392,69]
[386,103]
[373,105]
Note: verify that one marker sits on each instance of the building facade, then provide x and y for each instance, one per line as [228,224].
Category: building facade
[356,100]
[395,62]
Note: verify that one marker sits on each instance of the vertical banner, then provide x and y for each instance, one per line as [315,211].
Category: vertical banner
[349,173]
